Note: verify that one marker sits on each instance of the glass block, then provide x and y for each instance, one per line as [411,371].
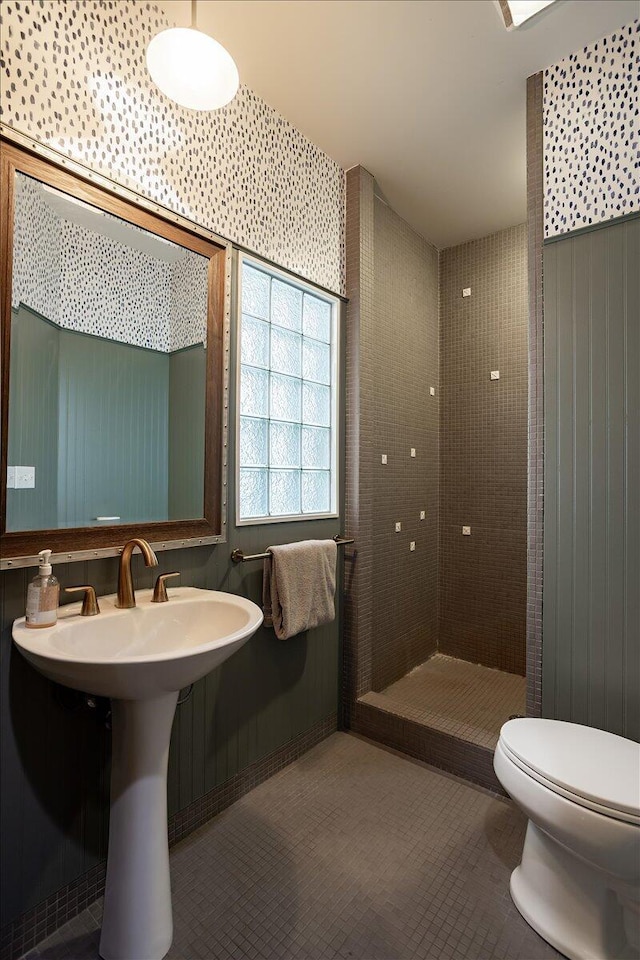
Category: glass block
[253,442]
[284,492]
[316,404]
[285,351]
[253,494]
[255,292]
[284,445]
[285,398]
[286,305]
[316,361]
[316,491]
[254,342]
[254,392]
[317,318]
[316,447]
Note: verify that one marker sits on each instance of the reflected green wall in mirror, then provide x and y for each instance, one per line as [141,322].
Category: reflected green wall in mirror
[107,368]
[111,429]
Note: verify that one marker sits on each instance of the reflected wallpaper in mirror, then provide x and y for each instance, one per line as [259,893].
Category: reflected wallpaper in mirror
[107,369]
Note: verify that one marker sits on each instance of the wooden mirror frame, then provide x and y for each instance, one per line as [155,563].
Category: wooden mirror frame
[107,540]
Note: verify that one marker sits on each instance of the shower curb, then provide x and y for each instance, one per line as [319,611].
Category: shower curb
[442,750]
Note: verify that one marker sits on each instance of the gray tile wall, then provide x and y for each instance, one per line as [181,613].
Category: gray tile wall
[402,345]
[483,450]
[535,485]
[391,361]
[358,583]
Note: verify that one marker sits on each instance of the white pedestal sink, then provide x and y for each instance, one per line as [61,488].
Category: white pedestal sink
[140,658]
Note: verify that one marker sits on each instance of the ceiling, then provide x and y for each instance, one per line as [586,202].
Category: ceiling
[428,95]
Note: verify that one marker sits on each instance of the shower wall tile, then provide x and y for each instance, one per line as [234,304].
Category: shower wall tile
[392,360]
[535,483]
[403,340]
[358,621]
[483,450]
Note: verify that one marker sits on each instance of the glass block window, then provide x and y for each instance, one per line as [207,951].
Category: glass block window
[287,402]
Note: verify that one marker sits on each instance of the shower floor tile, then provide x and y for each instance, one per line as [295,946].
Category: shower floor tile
[351,852]
[463,699]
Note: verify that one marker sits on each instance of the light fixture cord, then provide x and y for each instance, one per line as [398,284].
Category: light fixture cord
[193,15]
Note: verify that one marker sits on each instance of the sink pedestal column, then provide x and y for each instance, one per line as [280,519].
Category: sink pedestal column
[137,921]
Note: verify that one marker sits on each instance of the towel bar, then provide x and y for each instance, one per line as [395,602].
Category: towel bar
[239,557]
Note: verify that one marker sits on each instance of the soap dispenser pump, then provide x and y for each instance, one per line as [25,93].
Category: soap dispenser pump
[42,595]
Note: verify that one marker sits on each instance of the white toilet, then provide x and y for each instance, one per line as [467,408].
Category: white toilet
[578,883]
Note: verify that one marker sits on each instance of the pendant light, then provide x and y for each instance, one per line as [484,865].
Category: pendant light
[192,68]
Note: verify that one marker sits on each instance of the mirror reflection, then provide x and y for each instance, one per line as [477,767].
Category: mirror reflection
[107,369]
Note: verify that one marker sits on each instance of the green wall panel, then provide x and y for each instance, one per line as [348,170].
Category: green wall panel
[94,421]
[113,451]
[591,613]
[187,369]
[33,391]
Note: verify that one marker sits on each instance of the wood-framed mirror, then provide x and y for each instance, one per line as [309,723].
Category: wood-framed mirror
[114,321]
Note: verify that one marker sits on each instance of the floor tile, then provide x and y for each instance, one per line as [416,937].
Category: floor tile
[353,851]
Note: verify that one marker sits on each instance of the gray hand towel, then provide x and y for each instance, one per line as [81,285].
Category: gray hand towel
[298,586]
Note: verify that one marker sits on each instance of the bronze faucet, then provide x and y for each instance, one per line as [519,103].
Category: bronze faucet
[126,596]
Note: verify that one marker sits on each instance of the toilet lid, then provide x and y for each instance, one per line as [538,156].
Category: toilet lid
[593,764]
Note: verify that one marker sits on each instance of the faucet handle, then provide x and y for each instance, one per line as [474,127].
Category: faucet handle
[89,604]
[160,591]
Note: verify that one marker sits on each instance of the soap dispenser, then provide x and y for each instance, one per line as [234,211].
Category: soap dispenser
[42,595]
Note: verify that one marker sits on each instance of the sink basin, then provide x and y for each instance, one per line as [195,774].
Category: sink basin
[140,658]
[136,654]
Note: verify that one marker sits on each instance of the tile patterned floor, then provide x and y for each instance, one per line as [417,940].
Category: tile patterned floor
[463,699]
[351,853]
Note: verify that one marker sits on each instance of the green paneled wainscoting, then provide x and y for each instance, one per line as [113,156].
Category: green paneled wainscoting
[591,592]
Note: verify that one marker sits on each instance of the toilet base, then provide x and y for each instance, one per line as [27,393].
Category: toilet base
[569,903]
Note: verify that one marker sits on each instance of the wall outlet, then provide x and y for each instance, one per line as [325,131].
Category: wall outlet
[495,374]
[413,451]
[398,527]
[466,531]
[383,458]
[11,478]
[412,545]
[432,391]
[466,292]
[423,514]
[25,478]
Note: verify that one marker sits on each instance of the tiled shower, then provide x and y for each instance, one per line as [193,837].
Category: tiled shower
[436,625]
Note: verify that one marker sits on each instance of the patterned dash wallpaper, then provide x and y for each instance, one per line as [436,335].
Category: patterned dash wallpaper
[592,133]
[93,283]
[74,77]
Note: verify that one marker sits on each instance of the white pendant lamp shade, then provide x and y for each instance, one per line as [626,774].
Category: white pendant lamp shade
[192,68]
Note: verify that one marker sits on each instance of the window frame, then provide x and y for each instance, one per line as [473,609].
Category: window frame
[334,301]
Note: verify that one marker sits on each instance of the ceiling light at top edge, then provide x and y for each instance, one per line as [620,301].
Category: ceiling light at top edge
[192,68]
[516,12]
